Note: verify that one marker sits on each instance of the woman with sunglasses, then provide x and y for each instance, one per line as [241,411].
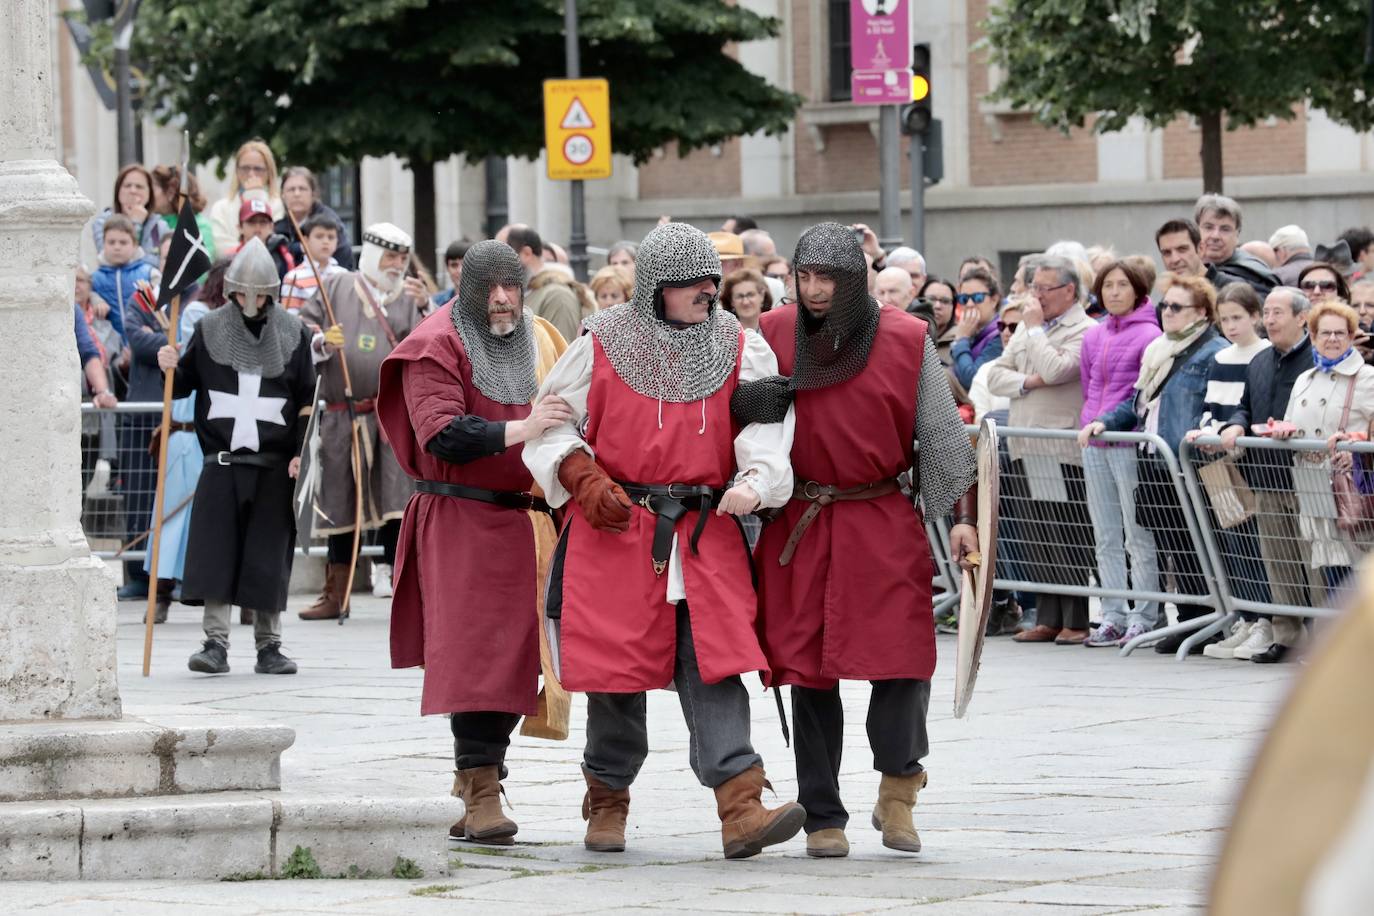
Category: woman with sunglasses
[976,337]
[1168,401]
[1112,354]
[1320,281]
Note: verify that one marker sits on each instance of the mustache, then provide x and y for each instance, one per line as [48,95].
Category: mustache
[702,299]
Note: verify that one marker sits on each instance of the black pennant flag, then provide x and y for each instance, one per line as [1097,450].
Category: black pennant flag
[187,259]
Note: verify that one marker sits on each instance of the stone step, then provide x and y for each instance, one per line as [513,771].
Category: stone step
[220,835]
[168,750]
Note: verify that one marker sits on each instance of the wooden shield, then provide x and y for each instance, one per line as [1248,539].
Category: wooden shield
[307,480]
[975,597]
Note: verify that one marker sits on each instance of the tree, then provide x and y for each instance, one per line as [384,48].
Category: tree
[1239,60]
[327,81]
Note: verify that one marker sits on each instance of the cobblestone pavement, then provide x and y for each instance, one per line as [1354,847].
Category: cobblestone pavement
[1079,783]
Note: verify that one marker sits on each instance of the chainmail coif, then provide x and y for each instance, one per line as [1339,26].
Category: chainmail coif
[838,349]
[227,338]
[503,368]
[657,359]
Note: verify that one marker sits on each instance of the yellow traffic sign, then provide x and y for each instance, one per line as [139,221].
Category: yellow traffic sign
[577,129]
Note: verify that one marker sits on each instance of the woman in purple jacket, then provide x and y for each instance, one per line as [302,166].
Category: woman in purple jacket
[1109,369]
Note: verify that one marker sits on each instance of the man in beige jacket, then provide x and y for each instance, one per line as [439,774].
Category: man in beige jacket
[1044,493]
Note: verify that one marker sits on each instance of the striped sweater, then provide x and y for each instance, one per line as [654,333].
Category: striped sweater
[1226,384]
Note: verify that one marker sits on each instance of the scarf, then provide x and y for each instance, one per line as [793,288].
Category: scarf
[1327,365]
[1159,357]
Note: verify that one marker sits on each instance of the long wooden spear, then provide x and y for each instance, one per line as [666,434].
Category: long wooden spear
[168,380]
[352,425]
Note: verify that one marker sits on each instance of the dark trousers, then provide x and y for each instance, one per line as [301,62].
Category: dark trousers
[138,471]
[1058,546]
[1158,509]
[480,739]
[341,545]
[717,720]
[896,734]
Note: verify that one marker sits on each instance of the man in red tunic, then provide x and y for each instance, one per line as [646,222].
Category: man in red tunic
[455,405]
[845,569]
[651,582]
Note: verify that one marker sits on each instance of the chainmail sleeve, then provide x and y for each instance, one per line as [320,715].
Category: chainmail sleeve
[945,459]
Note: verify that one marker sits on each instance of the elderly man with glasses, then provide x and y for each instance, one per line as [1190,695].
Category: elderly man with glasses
[1039,371]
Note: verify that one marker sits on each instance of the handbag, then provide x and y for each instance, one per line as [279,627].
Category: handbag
[1233,502]
[1354,508]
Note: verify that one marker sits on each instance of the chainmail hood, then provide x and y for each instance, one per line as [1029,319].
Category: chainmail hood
[252,272]
[838,349]
[655,358]
[230,343]
[503,368]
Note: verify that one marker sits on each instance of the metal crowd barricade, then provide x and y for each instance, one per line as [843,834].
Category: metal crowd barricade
[1272,525]
[119,481]
[1046,541]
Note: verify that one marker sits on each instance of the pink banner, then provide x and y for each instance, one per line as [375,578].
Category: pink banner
[879,35]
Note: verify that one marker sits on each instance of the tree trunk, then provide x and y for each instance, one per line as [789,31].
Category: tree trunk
[1212,176]
[425,240]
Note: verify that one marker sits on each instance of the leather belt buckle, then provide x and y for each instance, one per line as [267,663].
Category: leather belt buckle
[644,501]
[811,490]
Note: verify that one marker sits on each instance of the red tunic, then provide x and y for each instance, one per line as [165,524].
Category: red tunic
[854,602]
[618,629]
[465,577]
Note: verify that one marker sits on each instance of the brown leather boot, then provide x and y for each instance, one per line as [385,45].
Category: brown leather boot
[483,822]
[459,831]
[892,813]
[330,603]
[605,810]
[746,826]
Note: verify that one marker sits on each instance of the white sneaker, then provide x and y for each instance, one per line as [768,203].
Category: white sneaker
[100,479]
[381,580]
[1261,637]
[1227,647]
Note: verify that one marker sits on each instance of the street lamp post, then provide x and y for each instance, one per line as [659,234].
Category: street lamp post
[577,242]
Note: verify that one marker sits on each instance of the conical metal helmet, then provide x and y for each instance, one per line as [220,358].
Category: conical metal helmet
[252,272]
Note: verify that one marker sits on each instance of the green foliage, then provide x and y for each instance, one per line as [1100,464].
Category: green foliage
[433,890]
[325,81]
[406,869]
[1068,60]
[301,864]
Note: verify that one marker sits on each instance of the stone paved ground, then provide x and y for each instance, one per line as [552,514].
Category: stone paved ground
[1080,783]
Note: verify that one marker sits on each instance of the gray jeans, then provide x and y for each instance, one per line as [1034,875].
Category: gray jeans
[717,719]
[266,624]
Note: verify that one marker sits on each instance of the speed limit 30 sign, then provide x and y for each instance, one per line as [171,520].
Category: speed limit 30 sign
[577,129]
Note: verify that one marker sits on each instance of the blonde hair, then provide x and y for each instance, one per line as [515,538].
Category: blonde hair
[613,276]
[262,149]
[1332,307]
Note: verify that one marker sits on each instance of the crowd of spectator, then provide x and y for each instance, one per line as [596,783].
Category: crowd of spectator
[1270,338]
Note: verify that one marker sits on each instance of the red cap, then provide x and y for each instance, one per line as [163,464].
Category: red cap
[254,206]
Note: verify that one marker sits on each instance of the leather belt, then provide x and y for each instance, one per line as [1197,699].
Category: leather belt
[820,495]
[666,501]
[507,499]
[182,427]
[252,459]
[361,405]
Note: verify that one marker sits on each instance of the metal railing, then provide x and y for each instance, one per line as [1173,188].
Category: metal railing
[119,482]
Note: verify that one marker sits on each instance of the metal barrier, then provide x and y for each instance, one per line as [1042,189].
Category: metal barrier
[119,482]
[1048,544]
[1272,521]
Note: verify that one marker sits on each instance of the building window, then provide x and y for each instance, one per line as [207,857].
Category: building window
[840,68]
[341,189]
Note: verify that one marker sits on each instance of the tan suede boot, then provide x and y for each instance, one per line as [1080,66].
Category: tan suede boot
[746,826]
[330,603]
[892,814]
[830,843]
[605,810]
[483,822]
[459,831]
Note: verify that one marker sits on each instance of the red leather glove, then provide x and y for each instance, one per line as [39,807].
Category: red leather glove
[603,502]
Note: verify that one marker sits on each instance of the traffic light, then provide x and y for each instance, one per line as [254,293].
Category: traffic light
[916,117]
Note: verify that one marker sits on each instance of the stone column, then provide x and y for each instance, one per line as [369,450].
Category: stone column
[57,614]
